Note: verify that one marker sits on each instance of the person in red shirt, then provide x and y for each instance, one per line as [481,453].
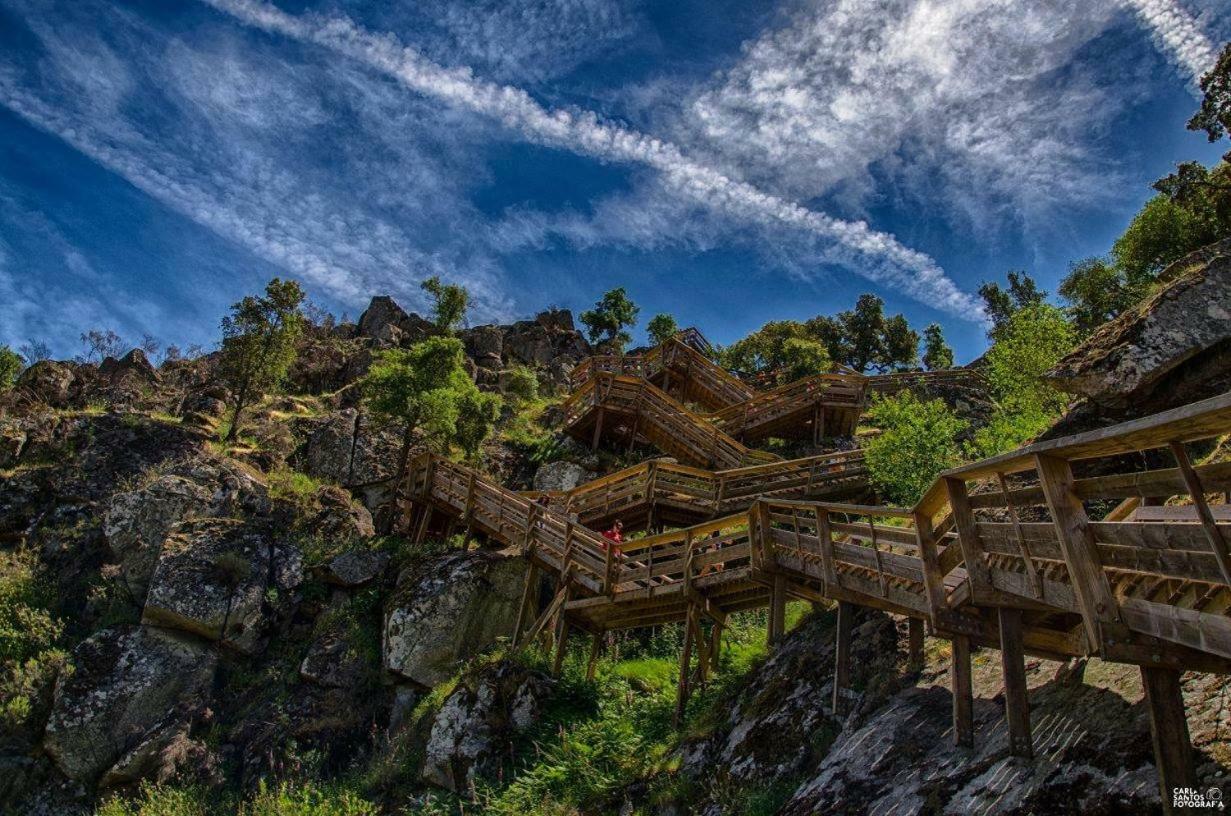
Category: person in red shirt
[615,535]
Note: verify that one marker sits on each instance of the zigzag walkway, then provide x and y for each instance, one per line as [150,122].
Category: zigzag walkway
[626,397]
[1152,588]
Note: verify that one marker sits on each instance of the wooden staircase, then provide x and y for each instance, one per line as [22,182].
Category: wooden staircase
[1150,588]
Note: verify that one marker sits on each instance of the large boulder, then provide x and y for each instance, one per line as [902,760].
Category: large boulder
[138,521]
[485,345]
[220,579]
[133,365]
[903,760]
[451,611]
[554,476]
[56,384]
[778,726]
[1171,349]
[387,324]
[473,730]
[345,447]
[124,683]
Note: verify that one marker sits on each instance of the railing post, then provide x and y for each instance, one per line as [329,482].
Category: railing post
[1173,753]
[1016,698]
[977,571]
[1086,575]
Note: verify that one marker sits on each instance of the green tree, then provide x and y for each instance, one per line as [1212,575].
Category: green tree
[936,352]
[802,358]
[864,330]
[520,384]
[10,366]
[900,348]
[1000,304]
[1095,292]
[610,319]
[477,413]
[258,344]
[422,389]
[1031,342]
[449,303]
[917,440]
[1214,115]
[661,328]
[763,350]
[1162,232]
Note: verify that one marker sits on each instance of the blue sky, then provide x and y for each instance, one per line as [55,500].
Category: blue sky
[728,162]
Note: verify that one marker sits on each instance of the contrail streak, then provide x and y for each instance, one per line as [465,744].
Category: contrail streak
[1179,34]
[875,255]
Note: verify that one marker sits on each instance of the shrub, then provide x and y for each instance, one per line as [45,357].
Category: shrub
[917,441]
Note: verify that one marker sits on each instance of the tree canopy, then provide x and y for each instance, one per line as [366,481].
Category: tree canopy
[936,354]
[425,389]
[449,303]
[258,344]
[11,365]
[662,327]
[608,322]
[917,440]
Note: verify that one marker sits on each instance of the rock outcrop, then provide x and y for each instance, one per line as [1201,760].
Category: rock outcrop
[458,606]
[123,684]
[137,522]
[220,579]
[1171,349]
[472,731]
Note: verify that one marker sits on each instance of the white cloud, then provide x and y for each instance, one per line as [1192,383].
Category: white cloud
[876,255]
[222,151]
[979,106]
[1179,35]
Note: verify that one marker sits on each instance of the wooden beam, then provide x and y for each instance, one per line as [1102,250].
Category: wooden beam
[914,636]
[529,598]
[968,537]
[777,610]
[598,428]
[1218,545]
[1016,698]
[1173,753]
[842,656]
[1086,576]
[683,687]
[596,646]
[963,693]
[562,627]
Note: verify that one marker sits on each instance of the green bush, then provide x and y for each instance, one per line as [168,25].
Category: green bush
[521,385]
[158,800]
[10,366]
[917,441]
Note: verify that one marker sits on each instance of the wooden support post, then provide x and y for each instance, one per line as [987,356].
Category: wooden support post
[777,610]
[914,632]
[963,693]
[1089,581]
[842,656]
[683,687]
[529,599]
[421,533]
[596,646]
[1173,753]
[598,428]
[561,643]
[1016,699]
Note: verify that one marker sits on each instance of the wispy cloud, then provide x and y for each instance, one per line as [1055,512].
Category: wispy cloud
[976,109]
[874,254]
[220,152]
[1179,35]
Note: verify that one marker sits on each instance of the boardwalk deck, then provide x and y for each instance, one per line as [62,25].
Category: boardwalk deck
[1002,553]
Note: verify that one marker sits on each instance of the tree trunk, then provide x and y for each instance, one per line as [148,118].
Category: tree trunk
[240,399]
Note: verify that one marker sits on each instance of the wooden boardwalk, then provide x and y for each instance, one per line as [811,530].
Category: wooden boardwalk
[1068,548]
[626,398]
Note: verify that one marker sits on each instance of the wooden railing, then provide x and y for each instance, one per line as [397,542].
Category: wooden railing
[711,384]
[707,492]
[893,383]
[1004,552]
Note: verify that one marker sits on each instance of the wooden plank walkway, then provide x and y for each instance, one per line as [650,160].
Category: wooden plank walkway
[626,398]
[1004,553]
